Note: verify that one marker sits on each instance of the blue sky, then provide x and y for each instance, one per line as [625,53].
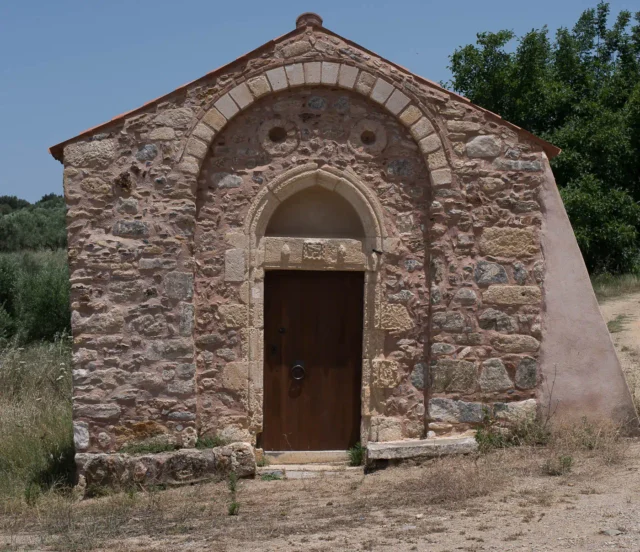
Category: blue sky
[72,64]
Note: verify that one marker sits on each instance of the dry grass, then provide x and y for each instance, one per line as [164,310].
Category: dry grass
[275,510]
[36,450]
[607,286]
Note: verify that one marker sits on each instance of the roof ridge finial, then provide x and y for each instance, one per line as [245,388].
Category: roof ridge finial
[308,18]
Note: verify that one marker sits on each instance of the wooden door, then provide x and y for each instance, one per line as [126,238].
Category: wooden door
[312,360]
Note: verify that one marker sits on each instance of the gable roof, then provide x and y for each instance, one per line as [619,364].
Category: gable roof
[304,20]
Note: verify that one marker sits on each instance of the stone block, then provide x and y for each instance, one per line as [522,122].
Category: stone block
[381,91]
[397,102]
[487,273]
[490,185]
[466,297]
[96,153]
[452,411]
[515,411]
[442,349]
[410,115]
[175,118]
[95,186]
[517,165]
[179,285]
[450,321]
[422,128]
[494,376]
[396,318]
[190,165]
[225,180]
[295,74]
[463,127]
[515,343]
[81,435]
[234,315]
[226,106]
[277,78]
[131,229]
[214,119]
[492,319]
[162,134]
[234,265]
[385,429]
[512,295]
[385,373]
[241,95]
[185,322]
[312,72]
[453,376]
[235,377]
[484,146]
[418,375]
[329,73]
[509,242]
[527,373]
[96,411]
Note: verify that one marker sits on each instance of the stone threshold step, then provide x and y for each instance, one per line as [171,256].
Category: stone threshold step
[306,456]
[307,471]
[422,448]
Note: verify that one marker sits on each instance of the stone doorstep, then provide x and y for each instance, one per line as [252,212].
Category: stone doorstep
[306,456]
[308,471]
[424,448]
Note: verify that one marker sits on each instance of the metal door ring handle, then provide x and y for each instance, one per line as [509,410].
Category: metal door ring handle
[297,372]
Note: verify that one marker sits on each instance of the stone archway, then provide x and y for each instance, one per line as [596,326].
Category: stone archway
[318,254]
[400,103]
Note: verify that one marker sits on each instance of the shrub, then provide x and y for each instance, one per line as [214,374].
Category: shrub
[34,295]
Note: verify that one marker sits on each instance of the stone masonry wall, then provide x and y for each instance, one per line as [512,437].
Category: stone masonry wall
[141,232]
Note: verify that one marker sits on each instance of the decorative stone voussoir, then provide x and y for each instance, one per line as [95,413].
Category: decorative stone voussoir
[329,72]
[241,95]
[277,78]
[347,76]
[381,91]
[397,102]
[214,119]
[410,115]
[226,106]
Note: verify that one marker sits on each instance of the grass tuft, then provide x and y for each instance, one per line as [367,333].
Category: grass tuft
[356,455]
[607,286]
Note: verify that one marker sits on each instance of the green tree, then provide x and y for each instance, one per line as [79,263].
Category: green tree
[581,92]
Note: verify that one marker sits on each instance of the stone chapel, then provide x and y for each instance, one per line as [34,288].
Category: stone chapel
[312,247]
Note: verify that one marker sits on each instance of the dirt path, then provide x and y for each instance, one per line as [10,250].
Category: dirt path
[623,318]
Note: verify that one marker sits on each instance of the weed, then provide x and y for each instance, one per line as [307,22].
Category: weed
[148,447]
[558,465]
[607,286]
[232,483]
[271,477]
[263,461]
[617,324]
[210,442]
[356,455]
[525,430]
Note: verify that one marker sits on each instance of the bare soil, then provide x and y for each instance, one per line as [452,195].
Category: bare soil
[511,499]
[622,314]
